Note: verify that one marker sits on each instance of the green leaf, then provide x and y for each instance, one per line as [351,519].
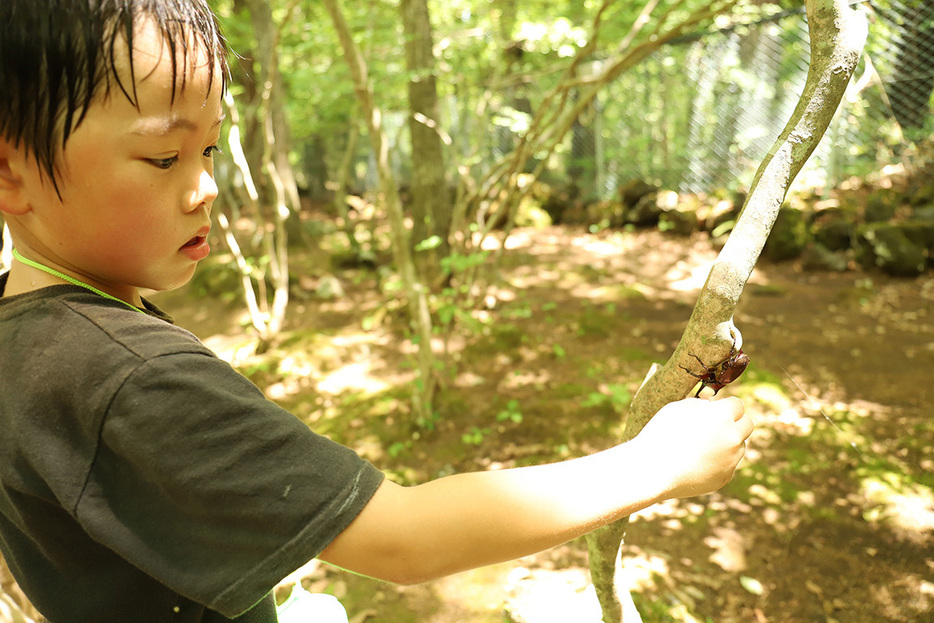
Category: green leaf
[431,242]
[595,399]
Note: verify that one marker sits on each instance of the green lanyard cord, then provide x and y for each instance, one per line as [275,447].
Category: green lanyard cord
[71,280]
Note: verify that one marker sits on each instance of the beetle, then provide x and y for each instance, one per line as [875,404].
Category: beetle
[720,374]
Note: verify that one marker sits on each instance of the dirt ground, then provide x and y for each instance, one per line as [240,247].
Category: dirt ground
[830,518]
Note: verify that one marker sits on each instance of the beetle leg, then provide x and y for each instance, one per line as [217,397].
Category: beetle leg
[696,376]
[701,377]
[702,364]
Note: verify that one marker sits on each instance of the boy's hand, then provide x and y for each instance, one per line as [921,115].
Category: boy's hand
[693,446]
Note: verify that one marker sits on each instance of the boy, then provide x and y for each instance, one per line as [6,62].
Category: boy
[141,478]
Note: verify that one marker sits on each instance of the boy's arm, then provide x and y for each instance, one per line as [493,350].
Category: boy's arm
[413,534]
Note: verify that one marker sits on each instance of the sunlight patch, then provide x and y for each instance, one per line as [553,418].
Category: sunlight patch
[353,377]
[795,422]
[517,240]
[546,596]
[640,570]
[685,277]
[729,549]
[670,509]
[236,350]
[601,247]
[519,379]
[908,507]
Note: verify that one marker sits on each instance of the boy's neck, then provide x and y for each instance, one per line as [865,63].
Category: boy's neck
[23,279]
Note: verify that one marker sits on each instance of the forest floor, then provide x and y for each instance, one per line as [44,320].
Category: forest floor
[830,517]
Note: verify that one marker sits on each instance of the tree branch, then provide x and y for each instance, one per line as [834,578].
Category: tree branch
[837,35]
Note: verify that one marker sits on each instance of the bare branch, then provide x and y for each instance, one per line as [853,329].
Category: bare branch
[837,35]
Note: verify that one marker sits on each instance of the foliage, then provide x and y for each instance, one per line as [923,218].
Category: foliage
[616,395]
[682,121]
[471,42]
[497,64]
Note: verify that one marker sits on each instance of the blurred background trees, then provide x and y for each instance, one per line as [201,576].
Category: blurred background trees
[491,114]
[460,81]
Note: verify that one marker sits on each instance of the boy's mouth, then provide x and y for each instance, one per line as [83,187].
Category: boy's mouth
[197,248]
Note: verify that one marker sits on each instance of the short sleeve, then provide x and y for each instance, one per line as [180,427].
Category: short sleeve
[210,488]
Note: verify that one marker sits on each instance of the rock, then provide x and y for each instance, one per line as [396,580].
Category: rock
[640,203]
[530,214]
[887,246]
[919,231]
[668,200]
[723,217]
[836,235]
[789,235]
[922,195]
[632,191]
[681,222]
[818,257]
[880,206]
[645,213]
[603,212]
[834,230]
[555,203]
[925,213]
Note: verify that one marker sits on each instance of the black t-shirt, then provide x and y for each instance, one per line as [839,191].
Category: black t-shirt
[143,479]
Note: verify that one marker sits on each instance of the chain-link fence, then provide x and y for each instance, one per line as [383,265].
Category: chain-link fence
[701,114]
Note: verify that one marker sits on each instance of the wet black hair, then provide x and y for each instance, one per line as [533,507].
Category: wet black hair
[58,56]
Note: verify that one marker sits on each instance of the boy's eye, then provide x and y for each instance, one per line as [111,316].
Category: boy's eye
[168,163]
[163,163]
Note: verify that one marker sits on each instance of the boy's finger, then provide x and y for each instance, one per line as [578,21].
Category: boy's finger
[736,405]
[729,404]
[746,425]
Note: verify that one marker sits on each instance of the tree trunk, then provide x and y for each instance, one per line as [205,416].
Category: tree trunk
[414,290]
[837,35]
[270,93]
[431,206]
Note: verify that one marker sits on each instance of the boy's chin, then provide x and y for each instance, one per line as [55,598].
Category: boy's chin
[167,286]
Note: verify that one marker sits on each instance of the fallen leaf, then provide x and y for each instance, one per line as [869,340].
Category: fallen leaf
[752,585]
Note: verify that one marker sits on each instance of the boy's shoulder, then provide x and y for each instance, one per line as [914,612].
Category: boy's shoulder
[72,318]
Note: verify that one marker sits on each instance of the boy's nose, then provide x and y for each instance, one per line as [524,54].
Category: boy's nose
[206,191]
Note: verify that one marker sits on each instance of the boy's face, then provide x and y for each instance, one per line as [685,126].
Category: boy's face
[136,184]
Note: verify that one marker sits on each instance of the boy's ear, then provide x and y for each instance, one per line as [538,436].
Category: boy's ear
[12,195]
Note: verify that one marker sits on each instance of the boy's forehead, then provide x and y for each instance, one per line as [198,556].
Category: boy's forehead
[163,125]
[150,61]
